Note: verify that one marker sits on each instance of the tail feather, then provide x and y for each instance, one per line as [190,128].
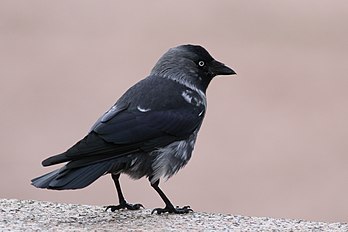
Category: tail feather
[76,178]
[61,158]
[91,149]
[44,180]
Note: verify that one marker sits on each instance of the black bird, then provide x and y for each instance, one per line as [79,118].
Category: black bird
[150,131]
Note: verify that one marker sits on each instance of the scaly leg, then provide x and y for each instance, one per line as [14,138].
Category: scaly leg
[123,203]
[169,206]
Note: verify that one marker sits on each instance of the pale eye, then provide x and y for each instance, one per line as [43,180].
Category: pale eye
[201,63]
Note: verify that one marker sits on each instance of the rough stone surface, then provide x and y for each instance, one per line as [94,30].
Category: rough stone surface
[30,215]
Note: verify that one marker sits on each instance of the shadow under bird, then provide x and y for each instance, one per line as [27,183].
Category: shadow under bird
[150,131]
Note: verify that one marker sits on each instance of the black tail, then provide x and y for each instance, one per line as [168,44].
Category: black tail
[87,160]
[91,149]
[74,178]
[57,159]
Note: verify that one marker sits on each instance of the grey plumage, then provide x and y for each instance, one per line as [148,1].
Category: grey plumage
[150,131]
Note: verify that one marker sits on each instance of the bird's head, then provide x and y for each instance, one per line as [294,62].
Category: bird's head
[192,64]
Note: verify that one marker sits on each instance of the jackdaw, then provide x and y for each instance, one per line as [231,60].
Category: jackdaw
[150,131]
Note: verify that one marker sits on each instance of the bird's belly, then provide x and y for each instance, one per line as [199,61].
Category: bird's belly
[163,162]
[139,165]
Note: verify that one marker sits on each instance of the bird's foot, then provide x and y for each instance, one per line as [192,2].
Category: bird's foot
[171,209]
[124,205]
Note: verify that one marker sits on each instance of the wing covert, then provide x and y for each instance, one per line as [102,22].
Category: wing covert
[132,126]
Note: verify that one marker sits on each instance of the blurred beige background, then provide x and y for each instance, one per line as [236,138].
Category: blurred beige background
[274,141]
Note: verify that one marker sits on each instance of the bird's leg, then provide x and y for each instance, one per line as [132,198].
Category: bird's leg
[169,206]
[123,203]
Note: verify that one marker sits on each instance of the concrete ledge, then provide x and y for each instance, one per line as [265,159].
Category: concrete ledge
[29,215]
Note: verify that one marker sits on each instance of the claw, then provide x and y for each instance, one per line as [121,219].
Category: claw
[177,210]
[128,206]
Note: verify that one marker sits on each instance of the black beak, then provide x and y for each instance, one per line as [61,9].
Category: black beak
[218,68]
